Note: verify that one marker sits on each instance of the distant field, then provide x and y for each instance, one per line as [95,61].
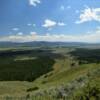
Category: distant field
[49,73]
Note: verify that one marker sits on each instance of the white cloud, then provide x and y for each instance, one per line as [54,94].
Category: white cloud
[68,7]
[89,14]
[98,28]
[20,33]
[34,25]
[15,29]
[77,11]
[61,24]
[62,7]
[49,23]
[33,33]
[33,36]
[29,24]
[34,2]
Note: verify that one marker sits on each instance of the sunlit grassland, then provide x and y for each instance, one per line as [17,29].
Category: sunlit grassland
[66,69]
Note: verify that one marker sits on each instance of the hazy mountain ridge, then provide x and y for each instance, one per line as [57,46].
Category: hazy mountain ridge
[44,43]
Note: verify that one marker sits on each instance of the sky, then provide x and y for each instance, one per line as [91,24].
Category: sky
[50,20]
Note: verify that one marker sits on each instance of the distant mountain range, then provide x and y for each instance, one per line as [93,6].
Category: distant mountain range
[48,44]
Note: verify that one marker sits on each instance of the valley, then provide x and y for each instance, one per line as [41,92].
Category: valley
[49,73]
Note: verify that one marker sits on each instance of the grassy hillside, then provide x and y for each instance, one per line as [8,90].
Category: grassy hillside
[56,73]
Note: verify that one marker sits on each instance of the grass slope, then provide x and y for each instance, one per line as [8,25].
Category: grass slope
[68,80]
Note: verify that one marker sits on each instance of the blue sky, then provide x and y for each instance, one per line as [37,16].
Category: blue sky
[50,20]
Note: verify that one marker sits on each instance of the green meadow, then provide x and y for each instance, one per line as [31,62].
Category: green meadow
[52,73]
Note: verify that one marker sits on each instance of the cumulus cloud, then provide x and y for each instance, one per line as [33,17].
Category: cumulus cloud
[89,14]
[68,7]
[33,33]
[49,23]
[33,36]
[62,7]
[34,2]
[77,11]
[31,24]
[61,24]
[15,29]
[20,33]
[34,25]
